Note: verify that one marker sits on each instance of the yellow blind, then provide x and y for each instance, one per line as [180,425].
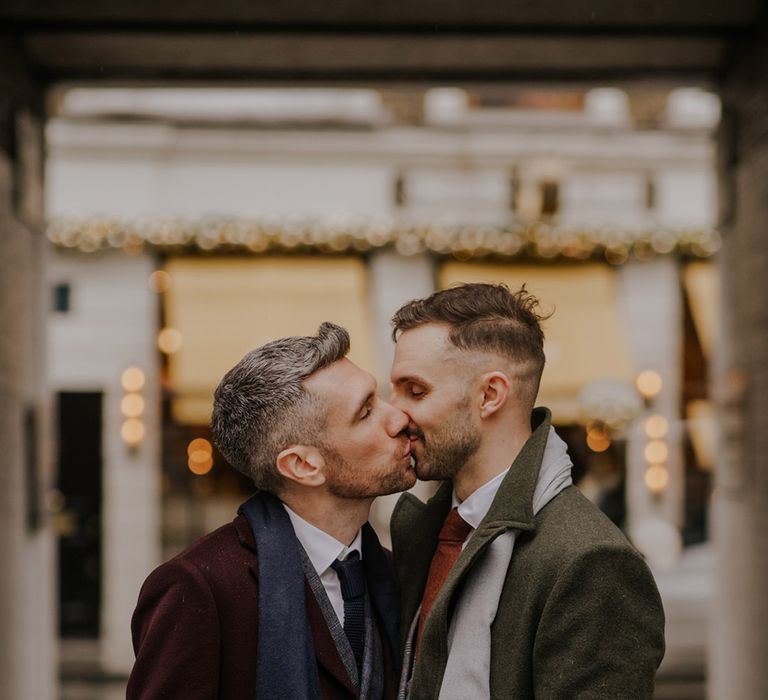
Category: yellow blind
[702,284]
[225,307]
[584,341]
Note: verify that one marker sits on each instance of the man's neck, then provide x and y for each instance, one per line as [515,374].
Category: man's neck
[341,518]
[496,453]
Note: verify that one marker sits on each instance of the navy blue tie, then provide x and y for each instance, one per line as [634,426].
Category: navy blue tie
[352,580]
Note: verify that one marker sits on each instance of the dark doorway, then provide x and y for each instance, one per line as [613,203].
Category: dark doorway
[80,418]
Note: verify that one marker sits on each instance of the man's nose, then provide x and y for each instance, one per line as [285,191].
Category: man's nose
[397,421]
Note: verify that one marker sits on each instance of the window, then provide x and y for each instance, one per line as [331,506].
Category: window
[550,191]
[61,297]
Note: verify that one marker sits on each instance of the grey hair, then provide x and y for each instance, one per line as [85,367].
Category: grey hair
[261,406]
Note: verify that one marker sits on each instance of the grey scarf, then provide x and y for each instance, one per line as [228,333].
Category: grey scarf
[468,670]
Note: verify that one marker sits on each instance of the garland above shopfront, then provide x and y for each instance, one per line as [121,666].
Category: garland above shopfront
[531,241]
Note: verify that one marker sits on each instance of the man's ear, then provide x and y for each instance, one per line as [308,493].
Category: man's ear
[495,388]
[301,464]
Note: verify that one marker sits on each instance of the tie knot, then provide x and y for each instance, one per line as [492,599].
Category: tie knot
[455,528]
[351,575]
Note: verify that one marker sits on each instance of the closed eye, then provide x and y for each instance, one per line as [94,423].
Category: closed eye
[416,391]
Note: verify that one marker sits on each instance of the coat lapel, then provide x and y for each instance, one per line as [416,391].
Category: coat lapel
[415,526]
[382,588]
[326,652]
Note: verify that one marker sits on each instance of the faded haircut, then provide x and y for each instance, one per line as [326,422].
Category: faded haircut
[261,405]
[486,318]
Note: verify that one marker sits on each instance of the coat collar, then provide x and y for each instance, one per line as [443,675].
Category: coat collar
[416,525]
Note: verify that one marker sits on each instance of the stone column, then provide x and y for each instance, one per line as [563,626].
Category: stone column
[651,307]
[739,642]
[27,578]
[393,280]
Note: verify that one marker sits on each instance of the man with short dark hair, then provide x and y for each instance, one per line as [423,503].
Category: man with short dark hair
[295,598]
[513,585]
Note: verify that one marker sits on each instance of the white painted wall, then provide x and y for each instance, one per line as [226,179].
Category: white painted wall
[132,170]
[112,325]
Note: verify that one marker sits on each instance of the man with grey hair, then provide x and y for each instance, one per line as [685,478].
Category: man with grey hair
[295,598]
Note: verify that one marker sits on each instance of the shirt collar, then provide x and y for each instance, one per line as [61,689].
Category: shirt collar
[321,548]
[476,506]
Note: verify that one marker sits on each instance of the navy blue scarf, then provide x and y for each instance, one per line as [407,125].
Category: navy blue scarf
[285,659]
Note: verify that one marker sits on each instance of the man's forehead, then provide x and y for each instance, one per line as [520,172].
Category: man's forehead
[421,349]
[341,380]
[427,353]
[429,333]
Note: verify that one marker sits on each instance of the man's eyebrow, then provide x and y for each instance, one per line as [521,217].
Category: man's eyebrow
[412,378]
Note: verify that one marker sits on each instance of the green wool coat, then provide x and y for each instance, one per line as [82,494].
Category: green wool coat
[579,614]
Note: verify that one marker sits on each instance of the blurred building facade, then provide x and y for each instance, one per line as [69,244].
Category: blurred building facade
[582,42]
[208,223]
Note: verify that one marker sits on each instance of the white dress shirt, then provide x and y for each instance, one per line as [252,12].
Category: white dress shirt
[476,506]
[322,550]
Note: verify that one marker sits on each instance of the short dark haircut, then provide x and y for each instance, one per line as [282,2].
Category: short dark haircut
[261,405]
[485,318]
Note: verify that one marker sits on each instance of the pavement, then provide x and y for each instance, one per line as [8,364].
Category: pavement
[687,592]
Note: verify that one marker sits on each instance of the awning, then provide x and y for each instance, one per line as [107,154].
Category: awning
[224,307]
[583,338]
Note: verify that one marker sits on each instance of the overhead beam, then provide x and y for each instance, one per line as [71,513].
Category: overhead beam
[433,14]
[444,57]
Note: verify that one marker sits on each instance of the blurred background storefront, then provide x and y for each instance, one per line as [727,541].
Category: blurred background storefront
[188,226]
[186,223]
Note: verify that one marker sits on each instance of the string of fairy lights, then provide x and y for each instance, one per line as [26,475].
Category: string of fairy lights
[538,240]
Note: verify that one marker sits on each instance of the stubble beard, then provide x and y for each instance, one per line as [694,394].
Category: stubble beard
[449,449]
[346,482]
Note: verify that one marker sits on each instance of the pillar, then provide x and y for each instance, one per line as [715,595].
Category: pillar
[651,306]
[394,279]
[739,641]
[27,578]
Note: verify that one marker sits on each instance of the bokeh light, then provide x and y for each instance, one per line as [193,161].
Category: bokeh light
[132,379]
[199,444]
[133,432]
[159,281]
[132,405]
[656,452]
[200,453]
[598,440]
[656,478]
[656,427]
[169,340]
[649,383]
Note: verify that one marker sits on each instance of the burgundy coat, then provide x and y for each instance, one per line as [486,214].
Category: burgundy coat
[195,628]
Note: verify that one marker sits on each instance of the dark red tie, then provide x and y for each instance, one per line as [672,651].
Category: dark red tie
[454,532]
